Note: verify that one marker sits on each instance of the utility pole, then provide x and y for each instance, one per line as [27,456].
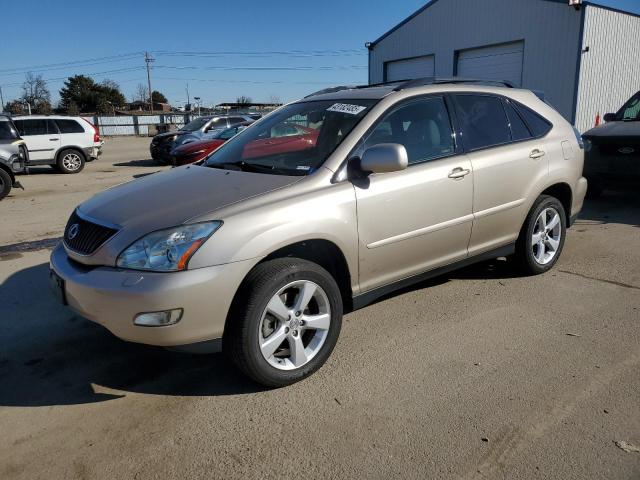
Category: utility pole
[1,101]
[148,60]
[188,99]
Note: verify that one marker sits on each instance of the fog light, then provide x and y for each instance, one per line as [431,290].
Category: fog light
[158,319]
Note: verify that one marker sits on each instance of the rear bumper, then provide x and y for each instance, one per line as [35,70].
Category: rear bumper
[112,297]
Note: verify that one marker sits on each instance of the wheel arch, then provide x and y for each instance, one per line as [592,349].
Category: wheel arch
[80,150]
[324,253]
[8,170]
[562,191]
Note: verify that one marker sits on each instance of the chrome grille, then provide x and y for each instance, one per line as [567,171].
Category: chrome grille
[85,237]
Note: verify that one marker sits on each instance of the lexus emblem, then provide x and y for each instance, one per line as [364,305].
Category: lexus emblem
[73,231]
[626,150]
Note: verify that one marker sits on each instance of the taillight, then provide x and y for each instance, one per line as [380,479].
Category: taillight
[96,132]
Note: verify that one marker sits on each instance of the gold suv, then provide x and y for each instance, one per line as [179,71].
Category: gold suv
[319,208]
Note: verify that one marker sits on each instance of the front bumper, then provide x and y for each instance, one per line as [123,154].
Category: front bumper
[161,152]
[112,297]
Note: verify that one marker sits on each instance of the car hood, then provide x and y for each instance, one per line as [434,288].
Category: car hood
[615,129]
[166,199]
[162,137]
[199,145]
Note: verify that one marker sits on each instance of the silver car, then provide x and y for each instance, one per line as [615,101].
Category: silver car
[13,156]
[267,242]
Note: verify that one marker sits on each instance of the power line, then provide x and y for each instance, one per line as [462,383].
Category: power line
[61,65]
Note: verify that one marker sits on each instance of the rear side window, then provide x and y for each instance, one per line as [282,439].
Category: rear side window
[519,130]
[234,120]
[539,126]
[483,121]
[69,126]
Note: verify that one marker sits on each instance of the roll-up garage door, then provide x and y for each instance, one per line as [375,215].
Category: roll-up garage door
[496,62]
[409,68]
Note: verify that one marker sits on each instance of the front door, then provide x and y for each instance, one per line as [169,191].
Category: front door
[420,218]
[41,136]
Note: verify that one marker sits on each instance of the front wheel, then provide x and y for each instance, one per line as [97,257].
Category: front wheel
[542,236]
[285,321]
[70,161]
[5,183]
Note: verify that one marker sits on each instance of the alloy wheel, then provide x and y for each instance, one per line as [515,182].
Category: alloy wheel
[545,239]
[72,161]
[294,325]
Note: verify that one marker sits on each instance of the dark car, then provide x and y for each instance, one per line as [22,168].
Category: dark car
[195,151]
[197,129]
[612,157]
[13,156]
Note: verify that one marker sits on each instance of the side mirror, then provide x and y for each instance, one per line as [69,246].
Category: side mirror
[384,157]
[609,117]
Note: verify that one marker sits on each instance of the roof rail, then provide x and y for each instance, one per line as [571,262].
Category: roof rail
[417,82]
[330,90]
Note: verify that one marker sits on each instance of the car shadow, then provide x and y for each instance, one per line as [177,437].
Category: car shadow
[614,206]
[50,356]
[148,162]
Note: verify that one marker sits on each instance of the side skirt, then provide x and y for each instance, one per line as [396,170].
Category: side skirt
[366,298]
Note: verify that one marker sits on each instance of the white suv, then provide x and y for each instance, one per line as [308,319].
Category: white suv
[64,142]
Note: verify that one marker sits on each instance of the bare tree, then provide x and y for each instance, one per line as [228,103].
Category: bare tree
[244,101]
[36,93]
[274,99]
[141,93]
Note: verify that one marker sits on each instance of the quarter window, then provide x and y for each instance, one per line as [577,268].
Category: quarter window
[483,121]
[519,130]
[422,126]
[539,126]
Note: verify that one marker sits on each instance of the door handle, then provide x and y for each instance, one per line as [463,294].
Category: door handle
[458,173]
[536,154]
[54,139]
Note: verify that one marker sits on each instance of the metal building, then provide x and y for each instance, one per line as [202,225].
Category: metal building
[584,57]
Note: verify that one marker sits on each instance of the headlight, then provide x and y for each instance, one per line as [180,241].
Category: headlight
[587,144]
[167,250]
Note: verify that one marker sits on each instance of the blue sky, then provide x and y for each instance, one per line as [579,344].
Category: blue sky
[280,48]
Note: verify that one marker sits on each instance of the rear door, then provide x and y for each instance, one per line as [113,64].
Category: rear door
[73,133]
[41,136]
[507,163]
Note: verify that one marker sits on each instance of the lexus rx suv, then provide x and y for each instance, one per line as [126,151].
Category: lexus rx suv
[260,251]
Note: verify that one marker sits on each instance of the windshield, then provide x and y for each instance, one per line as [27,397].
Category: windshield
[194,125]
[7,131]
[294,140]
[630,110]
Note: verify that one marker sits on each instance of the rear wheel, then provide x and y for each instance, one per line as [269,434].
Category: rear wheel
[70,161]
[542,236]
[285,321]
[5,184]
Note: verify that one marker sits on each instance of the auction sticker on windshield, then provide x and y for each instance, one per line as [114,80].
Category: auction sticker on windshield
[346,108]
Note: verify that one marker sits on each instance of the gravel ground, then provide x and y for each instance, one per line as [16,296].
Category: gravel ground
[477,374]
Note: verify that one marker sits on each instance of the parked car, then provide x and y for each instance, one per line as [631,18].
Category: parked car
[66,143]
[13,156]
[612,150]
[283,138]
[196,151]
[260,256]
[198,129]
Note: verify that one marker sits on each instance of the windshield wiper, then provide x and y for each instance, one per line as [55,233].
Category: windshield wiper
[242,165]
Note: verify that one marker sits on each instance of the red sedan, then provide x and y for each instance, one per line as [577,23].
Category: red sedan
[284,138]
[194,151]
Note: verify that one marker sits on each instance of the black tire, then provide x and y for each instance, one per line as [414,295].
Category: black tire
[70,154]
[524,246]
[5,183]
[242,333]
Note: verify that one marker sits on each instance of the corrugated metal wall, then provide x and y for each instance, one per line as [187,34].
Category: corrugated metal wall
[550,30]
[610,70]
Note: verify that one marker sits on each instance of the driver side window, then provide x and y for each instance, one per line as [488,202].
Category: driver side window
[422,126]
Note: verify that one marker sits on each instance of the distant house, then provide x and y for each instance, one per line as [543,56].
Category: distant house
[140,106]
